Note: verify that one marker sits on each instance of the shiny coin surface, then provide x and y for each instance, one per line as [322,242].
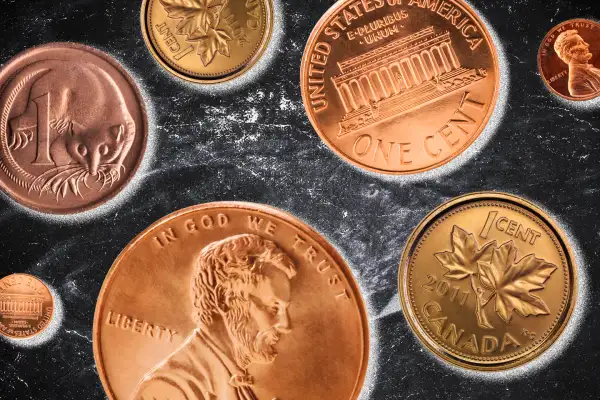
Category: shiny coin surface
[399,87]
[26,306]
[73,128]
[487,281]
[207,41]
[569,59]
[230,301]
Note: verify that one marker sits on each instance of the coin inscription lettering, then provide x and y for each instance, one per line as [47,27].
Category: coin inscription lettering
[72,128]
[207,41]
[243,294]
[487,281]
[399,87]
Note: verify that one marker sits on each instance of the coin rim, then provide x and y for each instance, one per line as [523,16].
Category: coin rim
[253,207]
[484,123]
[539,61]
[409,313]
[22,56]
[51,316]
[220,78]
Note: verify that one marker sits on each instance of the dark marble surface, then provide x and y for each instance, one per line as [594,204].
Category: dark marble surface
[256,144]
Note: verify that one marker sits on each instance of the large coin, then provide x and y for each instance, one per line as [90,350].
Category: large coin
[487,281]
[207,41]
[26,306]
[73,128]
[230,301]
[399,87]
[569,59]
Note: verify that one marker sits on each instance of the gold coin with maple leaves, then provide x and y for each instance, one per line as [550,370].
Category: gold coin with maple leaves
[487,281]
[207,41]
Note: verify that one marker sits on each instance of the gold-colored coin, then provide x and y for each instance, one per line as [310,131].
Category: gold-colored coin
[487,281]
[207,41]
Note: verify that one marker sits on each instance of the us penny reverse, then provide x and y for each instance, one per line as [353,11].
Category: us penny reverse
[399,87]
[207,41]
[26,306]
[487,281]
[230,301]
[73,128]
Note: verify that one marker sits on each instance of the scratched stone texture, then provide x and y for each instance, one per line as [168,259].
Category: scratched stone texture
[256,144]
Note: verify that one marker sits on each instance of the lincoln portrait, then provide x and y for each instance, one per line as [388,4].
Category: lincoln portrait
[584,79]
[240,293]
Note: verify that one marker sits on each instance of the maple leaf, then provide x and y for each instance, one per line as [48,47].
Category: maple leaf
[196,15]
[512,281]
[216,40]
[462,261]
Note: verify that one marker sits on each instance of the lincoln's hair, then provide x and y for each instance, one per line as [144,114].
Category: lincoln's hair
[226,269]
[563,45]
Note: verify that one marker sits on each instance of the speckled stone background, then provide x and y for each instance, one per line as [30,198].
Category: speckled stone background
[256,144]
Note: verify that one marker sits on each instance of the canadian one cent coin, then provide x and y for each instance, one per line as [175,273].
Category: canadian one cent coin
[569,59]
[26,306]
[487,281]
[230,301]
[73,128]
[207,41]
[399,87]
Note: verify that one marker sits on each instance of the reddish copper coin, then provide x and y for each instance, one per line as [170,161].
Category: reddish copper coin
[230,301]
[399,87]
[73,128]
[569,59]
[26,306]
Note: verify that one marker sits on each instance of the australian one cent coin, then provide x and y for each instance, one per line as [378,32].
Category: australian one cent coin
[207,41]
[230,301]
[26,306]
[399,86]
[569,59]
[487,281]
[73,128]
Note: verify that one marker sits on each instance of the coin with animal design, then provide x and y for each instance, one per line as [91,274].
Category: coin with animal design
[399,87]
[26,306]
[230,301]
[569,59]
[487,281]
[73,128]
[207,41]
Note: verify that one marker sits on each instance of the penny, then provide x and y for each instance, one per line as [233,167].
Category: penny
[73,128]
[569,59]
[26,306]
[399,87]
[207,41]
[230,301]
[487,281]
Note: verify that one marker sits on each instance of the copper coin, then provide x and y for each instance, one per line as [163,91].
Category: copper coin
[207,41]
[73,128]
[399,87]
[230,301]
[569,59]
[487,281]
[26,306]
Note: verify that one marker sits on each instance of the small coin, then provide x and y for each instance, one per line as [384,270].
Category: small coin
[26,306]
[207,41]
[487,281]
[569,59]
[230,301]
[399,87]
[73,128]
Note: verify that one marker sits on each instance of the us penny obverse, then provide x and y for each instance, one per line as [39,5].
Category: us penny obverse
[232,301]
[73,128]
[207,41]
[487,281]
[26,306]
[399,87]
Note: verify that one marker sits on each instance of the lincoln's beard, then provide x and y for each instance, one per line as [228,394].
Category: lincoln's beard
[249,346]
